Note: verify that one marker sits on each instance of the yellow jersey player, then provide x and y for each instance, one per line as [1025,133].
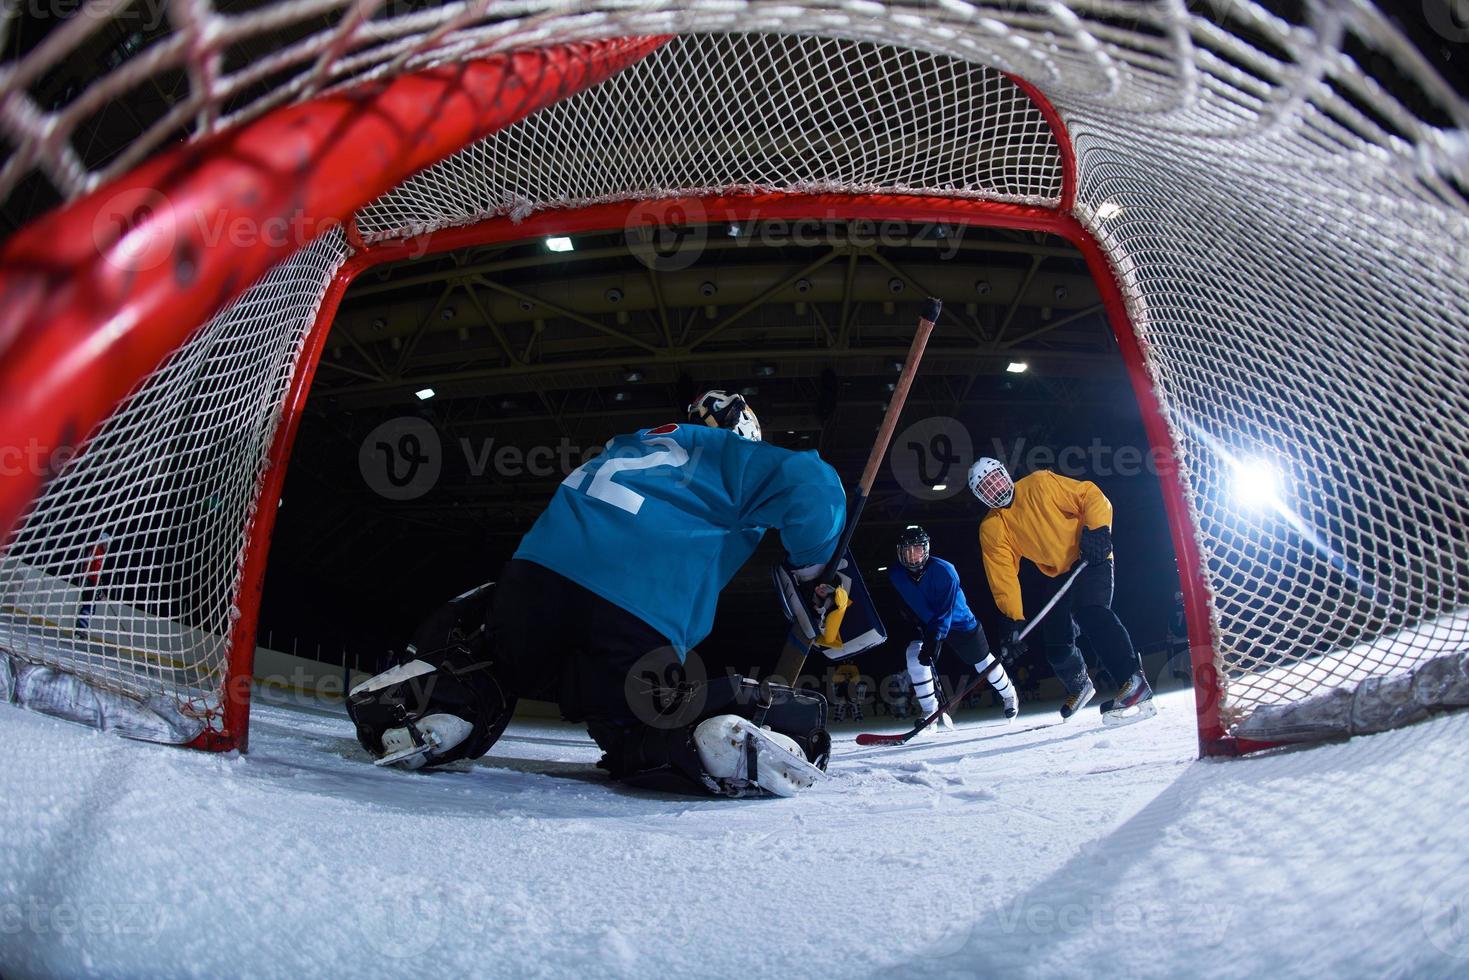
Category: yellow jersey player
[1055,522]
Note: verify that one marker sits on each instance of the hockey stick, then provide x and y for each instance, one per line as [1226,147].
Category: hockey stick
[793,657]
[952,703]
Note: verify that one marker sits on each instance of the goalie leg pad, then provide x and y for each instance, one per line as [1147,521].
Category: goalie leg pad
[743,759]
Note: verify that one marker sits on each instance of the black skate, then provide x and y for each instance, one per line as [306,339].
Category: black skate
[1079,700]
[1134,702]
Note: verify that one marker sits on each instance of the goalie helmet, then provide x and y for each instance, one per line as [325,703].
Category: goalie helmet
[443,702]
[913,548]
[991,482]
[724,410]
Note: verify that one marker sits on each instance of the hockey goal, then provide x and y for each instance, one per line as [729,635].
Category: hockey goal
[1278,231]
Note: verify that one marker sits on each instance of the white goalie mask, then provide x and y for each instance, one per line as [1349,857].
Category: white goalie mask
[991,483]
[724,410]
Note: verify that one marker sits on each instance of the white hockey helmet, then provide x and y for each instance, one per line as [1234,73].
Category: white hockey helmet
[726,410]
[991,483]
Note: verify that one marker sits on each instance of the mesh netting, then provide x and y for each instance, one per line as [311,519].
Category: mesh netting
[1289,236]
[127,568]
[748,113]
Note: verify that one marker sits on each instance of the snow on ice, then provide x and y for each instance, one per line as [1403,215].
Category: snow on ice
[1036,849]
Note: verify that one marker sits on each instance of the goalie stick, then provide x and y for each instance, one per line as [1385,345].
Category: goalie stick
[793,657]
[953,702]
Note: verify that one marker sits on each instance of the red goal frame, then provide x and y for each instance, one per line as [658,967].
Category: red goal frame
[325,159]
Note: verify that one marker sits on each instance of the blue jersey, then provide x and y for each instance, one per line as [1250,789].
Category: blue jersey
[660,522]
[936,598]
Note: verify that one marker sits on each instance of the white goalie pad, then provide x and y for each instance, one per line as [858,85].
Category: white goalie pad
[63,695]
[847,626]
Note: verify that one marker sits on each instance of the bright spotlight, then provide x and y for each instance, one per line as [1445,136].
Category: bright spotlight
[559,244]
[1257,484]
[424,394]
[940,487]
[1017,367]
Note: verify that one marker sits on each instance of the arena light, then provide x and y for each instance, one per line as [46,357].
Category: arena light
[940,487]
[559,244]
[882,568]
[1017,367]
[1257,485]
[424,394]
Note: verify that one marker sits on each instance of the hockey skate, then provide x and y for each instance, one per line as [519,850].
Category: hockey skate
[1079,700]
[412,746]
[1134,702]
[1011,703]
[744,760]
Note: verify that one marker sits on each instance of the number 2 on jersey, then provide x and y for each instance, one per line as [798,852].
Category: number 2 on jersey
[607,467]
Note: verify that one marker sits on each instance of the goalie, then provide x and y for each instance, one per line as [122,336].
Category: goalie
[1054,522]
[609,590]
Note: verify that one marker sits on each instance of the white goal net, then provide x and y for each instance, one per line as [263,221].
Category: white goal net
[1281,206]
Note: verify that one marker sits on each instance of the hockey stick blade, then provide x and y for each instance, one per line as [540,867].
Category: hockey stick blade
[871,738]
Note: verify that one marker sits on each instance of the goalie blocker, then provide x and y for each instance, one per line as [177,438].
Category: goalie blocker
[445,701]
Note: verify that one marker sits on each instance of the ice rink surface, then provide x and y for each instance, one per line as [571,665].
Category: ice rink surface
[1036,849]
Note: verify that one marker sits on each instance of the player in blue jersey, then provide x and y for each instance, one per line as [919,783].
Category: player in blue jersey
[618,580]
[936,605]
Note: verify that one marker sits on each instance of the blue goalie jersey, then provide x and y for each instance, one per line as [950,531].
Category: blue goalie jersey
[661,521]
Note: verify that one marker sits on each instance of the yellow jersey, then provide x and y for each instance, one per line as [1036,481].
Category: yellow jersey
[1043,523]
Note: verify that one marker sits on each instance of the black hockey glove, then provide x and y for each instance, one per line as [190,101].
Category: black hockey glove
[929,651]
[1096,544]
[1011,645]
